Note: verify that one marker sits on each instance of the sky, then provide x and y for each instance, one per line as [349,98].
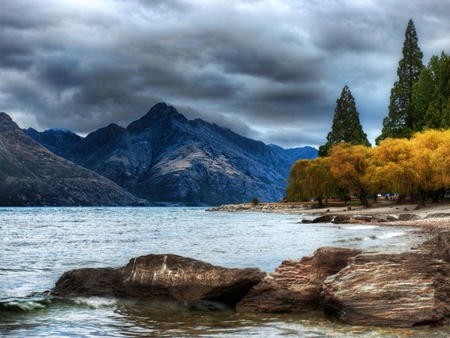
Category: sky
[270,70]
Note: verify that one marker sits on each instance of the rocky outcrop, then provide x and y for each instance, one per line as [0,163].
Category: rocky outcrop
[295,286]
[390,289]
[161,277]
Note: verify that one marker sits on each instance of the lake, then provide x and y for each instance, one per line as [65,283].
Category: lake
[39,244]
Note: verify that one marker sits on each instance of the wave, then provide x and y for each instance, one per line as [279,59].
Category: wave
[23,305]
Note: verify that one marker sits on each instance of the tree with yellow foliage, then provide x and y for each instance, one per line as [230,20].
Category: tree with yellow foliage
[349,166]
[414,166]
[311,178]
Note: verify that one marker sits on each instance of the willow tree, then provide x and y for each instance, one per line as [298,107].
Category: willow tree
[346,126]
[401,118]
[311,178]
[414,166]
[349,165]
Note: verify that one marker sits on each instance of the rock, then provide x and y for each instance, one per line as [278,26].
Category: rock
[323,219]
[364,219]
[408,217]
[162,277]
[390,289]
[341,219]
[439,246]
[86,282]
[172,277]
[438,215]
[295,286]
[392,218]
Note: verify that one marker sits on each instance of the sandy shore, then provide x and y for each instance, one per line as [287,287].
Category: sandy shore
[431,219]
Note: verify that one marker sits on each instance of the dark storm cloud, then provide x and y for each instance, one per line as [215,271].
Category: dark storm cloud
[269,70]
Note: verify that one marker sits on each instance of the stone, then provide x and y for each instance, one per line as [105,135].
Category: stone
[401,289]
[172,277]
[295,285]
[439,246]
[87,282]
[323,219]
[408,217]
[438,215]
[341,219]
[162,277]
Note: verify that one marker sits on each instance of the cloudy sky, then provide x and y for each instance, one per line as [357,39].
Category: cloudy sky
[270,70]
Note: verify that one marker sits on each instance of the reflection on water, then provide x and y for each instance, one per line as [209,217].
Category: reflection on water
[39,244]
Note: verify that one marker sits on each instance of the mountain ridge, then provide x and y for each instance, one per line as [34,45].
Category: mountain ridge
[164,157]
[31,175]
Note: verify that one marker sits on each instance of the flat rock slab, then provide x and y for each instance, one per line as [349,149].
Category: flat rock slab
[295,286]
[390,289]
[161,277]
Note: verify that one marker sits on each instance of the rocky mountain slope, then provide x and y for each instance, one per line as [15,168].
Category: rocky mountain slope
[163,157]
[31,175]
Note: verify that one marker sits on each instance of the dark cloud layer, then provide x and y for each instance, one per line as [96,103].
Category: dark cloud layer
[270,70]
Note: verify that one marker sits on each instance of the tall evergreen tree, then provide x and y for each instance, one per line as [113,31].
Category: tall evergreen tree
[401,118]
[346,126]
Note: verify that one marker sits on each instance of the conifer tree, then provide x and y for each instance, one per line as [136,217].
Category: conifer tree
[401,118]
[346,126]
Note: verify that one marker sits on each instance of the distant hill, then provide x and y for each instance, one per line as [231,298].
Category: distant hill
[163,157]
[31,175]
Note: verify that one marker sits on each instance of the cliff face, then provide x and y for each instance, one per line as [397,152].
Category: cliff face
[30,175]
[166,158]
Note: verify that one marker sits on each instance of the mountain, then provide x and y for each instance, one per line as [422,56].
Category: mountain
[31,175]
[164,157]
[53,139]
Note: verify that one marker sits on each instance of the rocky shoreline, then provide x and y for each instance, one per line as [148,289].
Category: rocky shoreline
[396,289]
[432,219]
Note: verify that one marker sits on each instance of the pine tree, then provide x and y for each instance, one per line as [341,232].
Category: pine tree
[401,118]
[346,126]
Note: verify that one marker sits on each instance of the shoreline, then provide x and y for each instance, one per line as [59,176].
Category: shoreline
[432,219]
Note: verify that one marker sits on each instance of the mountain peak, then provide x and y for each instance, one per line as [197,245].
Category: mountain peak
[158,113]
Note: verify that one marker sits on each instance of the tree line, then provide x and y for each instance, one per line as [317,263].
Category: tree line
[412,151]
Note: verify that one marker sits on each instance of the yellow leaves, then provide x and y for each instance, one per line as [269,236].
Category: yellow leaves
[397,165]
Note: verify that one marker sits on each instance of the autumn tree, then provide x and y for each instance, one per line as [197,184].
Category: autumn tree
[310,178]
[346,126]
[412,166]
[348,165]
[401,118]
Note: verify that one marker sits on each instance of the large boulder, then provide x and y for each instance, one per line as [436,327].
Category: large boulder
[295,286]
[390,289]
[439,246]
[172,277]
[85,282]
[161,277]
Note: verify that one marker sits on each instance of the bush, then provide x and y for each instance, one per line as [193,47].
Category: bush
[255,201]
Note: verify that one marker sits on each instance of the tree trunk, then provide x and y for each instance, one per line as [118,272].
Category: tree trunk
[319,200]
[421,199]
[364,201]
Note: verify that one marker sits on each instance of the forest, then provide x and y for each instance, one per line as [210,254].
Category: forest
[412,153]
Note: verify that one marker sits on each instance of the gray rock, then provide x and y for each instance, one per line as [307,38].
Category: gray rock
[390,289]
[408,217]
[165,278]
[295,286]
[323,219]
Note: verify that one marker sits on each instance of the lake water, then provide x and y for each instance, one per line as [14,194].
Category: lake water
[39,244]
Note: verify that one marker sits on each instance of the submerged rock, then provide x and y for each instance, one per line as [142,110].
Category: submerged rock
[162,277]
[295,286]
